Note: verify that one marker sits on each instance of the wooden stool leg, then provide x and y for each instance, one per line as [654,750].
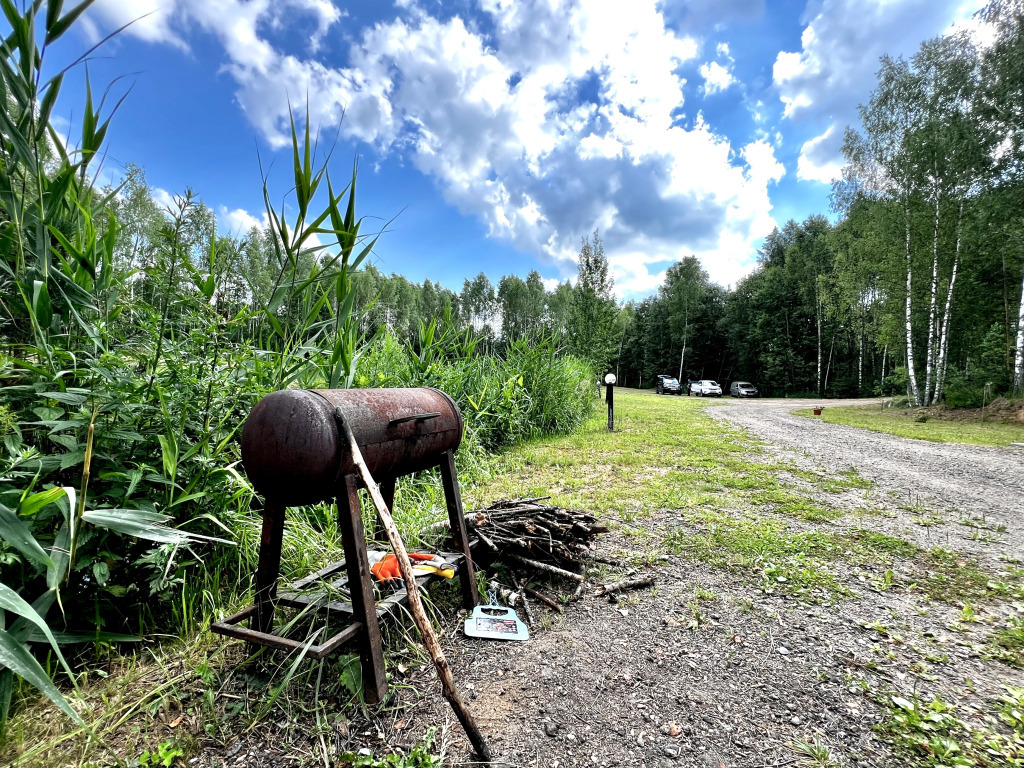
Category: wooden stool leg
[457,518]
[360,584]
[269,565]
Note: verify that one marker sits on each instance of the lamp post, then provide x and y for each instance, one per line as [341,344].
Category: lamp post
[609,397]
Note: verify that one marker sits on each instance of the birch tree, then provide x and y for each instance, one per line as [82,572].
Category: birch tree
[948,158]
[1001,103]
[686,283]
[881,159]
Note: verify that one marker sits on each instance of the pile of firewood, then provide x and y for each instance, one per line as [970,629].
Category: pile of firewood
[530,531]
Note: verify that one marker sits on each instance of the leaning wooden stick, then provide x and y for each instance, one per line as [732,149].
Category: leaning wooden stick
[544,599]
[415,606]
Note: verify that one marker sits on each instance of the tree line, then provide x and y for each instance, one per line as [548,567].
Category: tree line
[917,287]
[579,316]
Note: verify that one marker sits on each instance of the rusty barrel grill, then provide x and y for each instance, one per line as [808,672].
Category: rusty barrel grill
[294,452]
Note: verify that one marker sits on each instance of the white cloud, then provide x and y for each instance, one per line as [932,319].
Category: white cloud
[149,20]
[822,84]
[163,198]
[550,283]
[632,278]
[562,120]
[716,77]
[821,158]
[239,221]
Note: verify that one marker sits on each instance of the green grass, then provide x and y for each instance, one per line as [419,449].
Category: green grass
[938,733]
[901,422]
[673,480]
[1007,643]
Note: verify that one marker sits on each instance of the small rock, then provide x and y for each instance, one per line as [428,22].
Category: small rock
[671,728]
[671,750]
[795,720]
[551,729]
[783,650]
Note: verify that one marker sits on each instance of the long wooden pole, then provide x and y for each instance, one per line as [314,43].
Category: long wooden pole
[444,671]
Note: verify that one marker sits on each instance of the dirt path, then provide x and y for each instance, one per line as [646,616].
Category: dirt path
[713,670]
[948,483]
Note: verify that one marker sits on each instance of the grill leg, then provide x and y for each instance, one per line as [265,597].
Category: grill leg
[360,584]
[457,518]
[269,565]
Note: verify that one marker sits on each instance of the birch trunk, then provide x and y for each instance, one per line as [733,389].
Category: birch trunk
[929,365]
[682,357]
[1018,359]
[914,392]
[860,363]
[818,319]
[940,366]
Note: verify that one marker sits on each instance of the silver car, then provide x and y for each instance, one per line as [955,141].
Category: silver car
[743,389]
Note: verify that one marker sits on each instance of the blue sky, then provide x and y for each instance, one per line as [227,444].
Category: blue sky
[497,133]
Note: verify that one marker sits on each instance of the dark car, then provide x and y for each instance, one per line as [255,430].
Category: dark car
[743,389]
[668,385]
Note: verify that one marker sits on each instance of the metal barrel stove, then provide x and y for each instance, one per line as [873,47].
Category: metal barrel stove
[295,453]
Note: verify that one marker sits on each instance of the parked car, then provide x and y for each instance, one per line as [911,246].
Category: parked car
[668,385]
[743,389]
[706,388]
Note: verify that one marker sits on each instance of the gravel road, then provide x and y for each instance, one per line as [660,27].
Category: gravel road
[947,482]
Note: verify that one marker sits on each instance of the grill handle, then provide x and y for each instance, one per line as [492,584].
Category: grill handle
[414,417]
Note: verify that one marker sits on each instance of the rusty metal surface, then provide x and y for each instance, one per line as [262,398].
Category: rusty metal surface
[293,452]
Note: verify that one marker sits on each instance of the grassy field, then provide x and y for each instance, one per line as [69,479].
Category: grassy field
[904,423]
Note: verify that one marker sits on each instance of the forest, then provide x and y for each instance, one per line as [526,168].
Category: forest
[134,339]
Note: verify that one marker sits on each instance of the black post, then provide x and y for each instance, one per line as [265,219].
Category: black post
[610,398]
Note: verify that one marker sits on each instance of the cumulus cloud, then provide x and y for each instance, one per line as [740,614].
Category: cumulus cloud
[163,198]
[562,119]
[716,77]
[821,157]
[821,84]
[239,221]
[150,20]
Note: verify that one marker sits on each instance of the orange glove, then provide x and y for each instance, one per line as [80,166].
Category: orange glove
[387,569]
